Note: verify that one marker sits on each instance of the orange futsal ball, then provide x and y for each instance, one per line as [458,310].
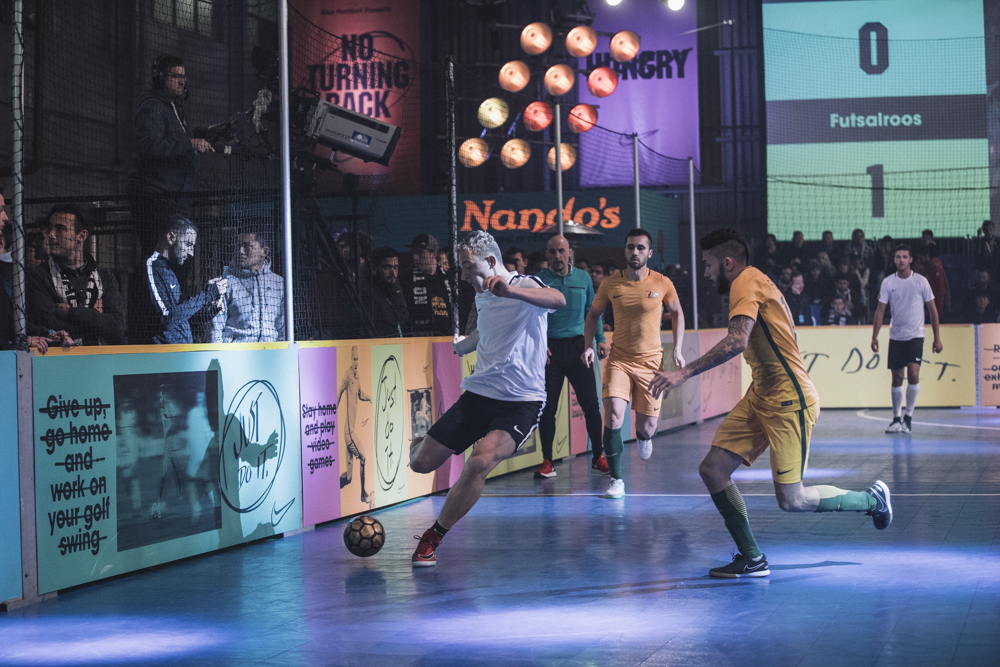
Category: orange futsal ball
[582,117]
[602,82]
[514,76]
[581,41]
[536,38]
[559,79]
[625,46]
[538,116]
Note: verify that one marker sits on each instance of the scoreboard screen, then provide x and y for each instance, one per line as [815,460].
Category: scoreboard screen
[876,117]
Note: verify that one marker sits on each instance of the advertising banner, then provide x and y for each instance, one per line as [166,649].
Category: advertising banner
[363,58]
[418,377]
[10,500]
[989,364]
[447,388]
[848,374]
[141,459]
[320,453]
[657,93]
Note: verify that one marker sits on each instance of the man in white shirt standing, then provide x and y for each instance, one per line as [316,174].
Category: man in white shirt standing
[504,397]
[907,294]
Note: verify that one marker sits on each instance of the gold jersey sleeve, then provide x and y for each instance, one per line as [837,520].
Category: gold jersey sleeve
[638,309]
[780,380]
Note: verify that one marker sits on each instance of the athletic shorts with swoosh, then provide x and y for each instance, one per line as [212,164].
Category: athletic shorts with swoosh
[636,350]
[781,405]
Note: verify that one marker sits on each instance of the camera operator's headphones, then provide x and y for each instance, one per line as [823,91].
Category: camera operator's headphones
[161,65]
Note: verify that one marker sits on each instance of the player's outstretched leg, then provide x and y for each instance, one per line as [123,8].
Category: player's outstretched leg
[487,453]
[897,402]
[715,471]
[875,502]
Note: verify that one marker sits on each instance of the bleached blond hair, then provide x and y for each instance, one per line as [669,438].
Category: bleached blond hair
[482,244]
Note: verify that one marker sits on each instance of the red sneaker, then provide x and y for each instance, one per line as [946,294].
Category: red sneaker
[599,466]
[545,470]
[424,556]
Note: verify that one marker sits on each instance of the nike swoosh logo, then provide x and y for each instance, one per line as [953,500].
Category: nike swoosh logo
[782,472]
[747,568]
[518,430]
[616,296]
[278,514]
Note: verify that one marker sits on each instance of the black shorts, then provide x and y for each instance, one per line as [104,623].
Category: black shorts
[473,416]
[903,352]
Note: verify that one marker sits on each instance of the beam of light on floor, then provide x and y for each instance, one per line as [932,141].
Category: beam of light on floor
[99,640]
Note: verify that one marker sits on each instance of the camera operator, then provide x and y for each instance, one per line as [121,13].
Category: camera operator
[163,150]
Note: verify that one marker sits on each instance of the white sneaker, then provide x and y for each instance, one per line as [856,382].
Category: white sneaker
[616,490]
[645,448]
[896,426]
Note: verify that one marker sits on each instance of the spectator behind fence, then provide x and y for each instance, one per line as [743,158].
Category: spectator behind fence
[842,290]
[163,150]
[444,260]
[818,284]
[38,337]
[158,312]
[536,262]
[581,263]
[982,282]
[927,263]
[883,264]
[68,291]
[427,290]
[7,260]
[253,308]
[982,311]
[985,254]
[517,258]
[860,247]
[829,246]
[388,304]
[863,275]
[798,301]
[797,249]
[770,260]
[840,314]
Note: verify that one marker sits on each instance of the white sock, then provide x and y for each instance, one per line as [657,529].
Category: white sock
[911,398]
[897,402]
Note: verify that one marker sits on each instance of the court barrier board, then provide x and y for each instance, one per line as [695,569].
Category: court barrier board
[146,455]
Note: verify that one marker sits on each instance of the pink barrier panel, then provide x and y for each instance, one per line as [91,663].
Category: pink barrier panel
[447,389]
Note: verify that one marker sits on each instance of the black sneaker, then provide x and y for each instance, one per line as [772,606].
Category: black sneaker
[741,567]
[882,514]
[907,424]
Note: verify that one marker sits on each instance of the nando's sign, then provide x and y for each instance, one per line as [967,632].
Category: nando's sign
[493,215]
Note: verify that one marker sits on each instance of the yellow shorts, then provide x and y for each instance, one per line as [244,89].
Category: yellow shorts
[748,430]
[629,380]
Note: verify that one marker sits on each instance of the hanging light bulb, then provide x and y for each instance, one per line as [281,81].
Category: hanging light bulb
[536,38]
[493,113]
[582,117]
[473,152]
[515,153]
[514,76]
[581,41]
[538,116]
[602,82]
[559,79]
[567,158]
[625,46]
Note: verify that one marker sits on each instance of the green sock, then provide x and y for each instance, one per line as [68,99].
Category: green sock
[730,504]
[613,448]
[832,499]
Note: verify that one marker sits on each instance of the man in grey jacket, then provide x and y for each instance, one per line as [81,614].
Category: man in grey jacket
[253,309]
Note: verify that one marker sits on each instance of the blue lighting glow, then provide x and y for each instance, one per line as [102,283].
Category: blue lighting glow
[103,639]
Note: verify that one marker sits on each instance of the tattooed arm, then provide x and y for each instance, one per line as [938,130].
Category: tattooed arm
[733,344]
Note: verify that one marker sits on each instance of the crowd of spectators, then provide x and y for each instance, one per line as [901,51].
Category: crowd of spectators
[72,300]
[837,283]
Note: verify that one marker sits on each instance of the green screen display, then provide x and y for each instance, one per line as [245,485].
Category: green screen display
[876,117]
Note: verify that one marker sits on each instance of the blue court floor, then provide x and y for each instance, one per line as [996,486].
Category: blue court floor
[545,572]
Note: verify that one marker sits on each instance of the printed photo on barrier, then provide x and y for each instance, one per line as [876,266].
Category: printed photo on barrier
[354,405]
[167,427]
[421,417]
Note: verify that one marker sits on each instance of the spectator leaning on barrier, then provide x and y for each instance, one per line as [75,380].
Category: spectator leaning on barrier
[391,314]
[985,254]
[798,301]
[69,291]
[982,311]
[253,308]
[840,313]
[427,290]
[158,313]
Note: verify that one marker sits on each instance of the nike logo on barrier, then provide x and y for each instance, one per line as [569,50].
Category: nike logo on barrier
[782,472]
[278,514]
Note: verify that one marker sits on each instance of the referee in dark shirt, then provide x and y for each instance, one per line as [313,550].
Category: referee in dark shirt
[565,349]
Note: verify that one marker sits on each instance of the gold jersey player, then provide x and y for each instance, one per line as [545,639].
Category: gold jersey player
[778,410]
[637,296]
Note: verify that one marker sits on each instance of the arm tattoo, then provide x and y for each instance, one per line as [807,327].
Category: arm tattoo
[727,348]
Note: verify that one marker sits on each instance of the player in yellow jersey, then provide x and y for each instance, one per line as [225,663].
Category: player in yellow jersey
[778,410]
[637,296]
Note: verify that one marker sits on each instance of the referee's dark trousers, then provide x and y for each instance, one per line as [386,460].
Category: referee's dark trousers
[566,364]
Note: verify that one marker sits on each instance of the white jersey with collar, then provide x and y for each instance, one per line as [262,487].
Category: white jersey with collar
[512,348]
